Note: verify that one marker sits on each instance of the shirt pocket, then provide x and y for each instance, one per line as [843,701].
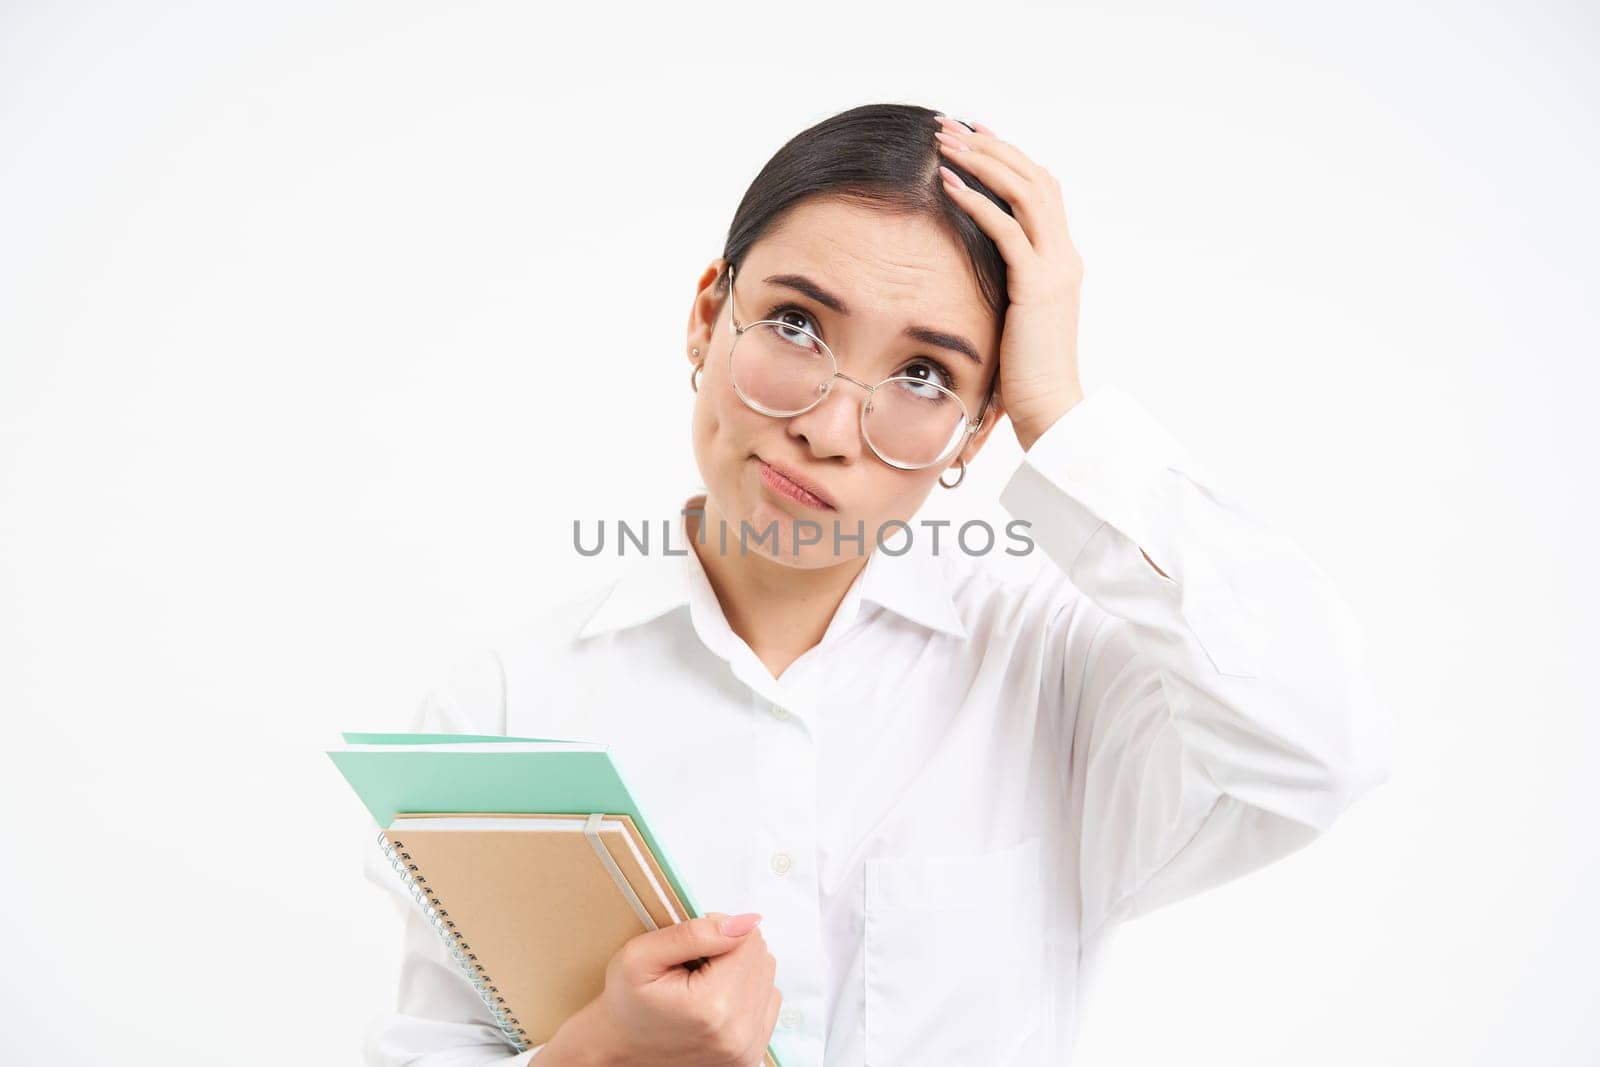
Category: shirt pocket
[954,956]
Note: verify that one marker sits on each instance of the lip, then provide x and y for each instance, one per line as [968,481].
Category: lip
[786,483]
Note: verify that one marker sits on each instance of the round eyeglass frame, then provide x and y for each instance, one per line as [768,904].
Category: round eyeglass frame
[957,444]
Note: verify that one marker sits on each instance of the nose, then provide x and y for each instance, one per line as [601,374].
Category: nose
[833,427]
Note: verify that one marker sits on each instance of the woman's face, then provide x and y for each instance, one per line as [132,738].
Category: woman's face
[889,273]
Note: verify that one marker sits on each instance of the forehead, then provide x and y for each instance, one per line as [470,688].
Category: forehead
[886,266]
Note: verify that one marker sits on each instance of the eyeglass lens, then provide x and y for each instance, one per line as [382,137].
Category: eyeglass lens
[781,370]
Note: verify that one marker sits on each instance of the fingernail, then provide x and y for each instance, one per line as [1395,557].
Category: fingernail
[951,176]
[955,143]
[740,924]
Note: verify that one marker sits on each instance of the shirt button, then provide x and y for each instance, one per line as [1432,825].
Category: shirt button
[781,862]
[779,712]
[789,1018]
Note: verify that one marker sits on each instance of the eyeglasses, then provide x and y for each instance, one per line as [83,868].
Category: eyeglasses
[783,370]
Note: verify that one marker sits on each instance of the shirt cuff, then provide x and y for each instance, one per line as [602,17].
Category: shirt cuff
[1104,460]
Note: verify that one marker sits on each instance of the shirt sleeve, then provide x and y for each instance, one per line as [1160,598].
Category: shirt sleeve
[438,1018]
[1216,718]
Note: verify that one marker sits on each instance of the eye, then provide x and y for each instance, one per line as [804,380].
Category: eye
[800,320]
[927,370]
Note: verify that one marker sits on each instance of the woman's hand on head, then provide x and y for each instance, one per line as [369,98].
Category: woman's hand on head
[1039,341]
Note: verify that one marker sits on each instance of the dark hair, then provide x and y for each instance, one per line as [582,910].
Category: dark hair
[882,155]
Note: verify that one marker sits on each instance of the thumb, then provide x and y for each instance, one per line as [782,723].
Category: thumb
[710,935]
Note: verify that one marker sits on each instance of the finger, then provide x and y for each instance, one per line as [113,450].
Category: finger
[750,957]
[769,969]
[949,120]
[1030,203]
[661,950]
[1042,206]
[769,1018]
[983,137]
[1005,231]
[759,976]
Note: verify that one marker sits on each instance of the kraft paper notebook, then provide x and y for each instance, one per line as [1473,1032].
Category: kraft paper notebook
[528,856]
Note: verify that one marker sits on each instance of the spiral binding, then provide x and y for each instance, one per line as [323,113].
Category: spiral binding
[439,919]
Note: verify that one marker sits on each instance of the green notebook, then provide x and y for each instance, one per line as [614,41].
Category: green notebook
[394,773]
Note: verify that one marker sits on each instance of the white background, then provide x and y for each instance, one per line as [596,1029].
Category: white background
[319,324]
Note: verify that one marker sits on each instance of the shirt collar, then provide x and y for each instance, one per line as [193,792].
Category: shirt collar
[915,585]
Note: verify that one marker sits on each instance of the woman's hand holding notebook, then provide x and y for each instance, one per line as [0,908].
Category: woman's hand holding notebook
[533,862]
[656,1011]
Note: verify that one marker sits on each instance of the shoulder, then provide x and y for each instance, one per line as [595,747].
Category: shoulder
[472,690]
[1002,599]
[552,627]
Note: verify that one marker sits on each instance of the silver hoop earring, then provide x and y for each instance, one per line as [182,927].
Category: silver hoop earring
[959,476]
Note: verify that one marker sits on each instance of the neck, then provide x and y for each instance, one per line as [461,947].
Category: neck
[779,611]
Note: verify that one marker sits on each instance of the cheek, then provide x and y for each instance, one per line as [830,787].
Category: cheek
[703,427]
[724,431]
[886,497]
[711,418]
[897,494]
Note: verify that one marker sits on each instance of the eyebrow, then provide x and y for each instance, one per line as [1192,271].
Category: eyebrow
[927,335]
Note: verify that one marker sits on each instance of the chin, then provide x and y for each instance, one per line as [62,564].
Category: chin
[760,511]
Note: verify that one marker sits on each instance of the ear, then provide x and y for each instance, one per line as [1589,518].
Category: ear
[704,312]
[990,421]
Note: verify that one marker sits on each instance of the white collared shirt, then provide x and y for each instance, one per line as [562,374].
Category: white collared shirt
[944,809]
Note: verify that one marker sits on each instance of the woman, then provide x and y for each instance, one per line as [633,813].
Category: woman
[938,792]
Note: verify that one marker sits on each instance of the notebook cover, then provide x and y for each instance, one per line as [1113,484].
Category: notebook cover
[537,910]
[543,963]
[432,778]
